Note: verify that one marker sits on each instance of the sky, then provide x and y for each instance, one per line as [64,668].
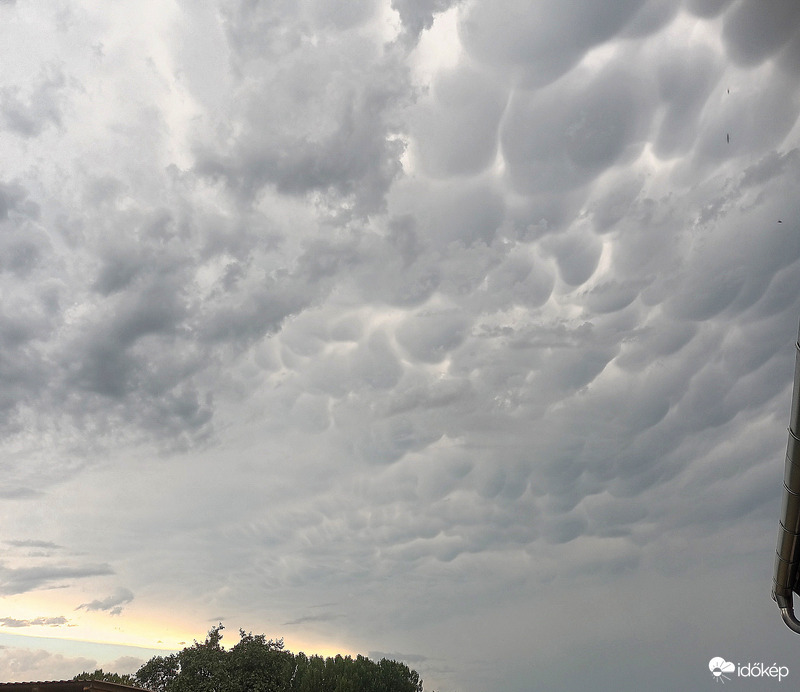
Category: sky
[456,332]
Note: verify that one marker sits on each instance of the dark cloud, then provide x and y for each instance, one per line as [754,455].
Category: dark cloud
[35,622]
[611,296]
[768,167]
[27,112]
[686,80]
[332,140]
[542,43]
[411,659]
[324,617]
[579,131]
[108,364]
[418,15]
[752,35]
[32,543]
[653,16]
[17,580]
[522,278]
[577,256]
[376,363]
[455,131]
[19,493]
[253,312]
[14,198]
[430,336]
[113,603]
[465,214]
[331,14]
[707,8]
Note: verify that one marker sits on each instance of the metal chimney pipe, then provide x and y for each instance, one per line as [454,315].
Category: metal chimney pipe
[787,559]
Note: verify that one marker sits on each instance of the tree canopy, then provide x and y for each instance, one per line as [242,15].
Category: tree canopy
[100,674]
[258,664]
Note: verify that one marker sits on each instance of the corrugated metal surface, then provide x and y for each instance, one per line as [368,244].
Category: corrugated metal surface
[787,558]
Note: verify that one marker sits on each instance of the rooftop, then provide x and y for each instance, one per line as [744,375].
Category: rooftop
[67,686]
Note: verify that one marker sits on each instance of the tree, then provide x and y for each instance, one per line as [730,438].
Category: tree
[197,668]
[258,664]
[158,673]
[396,677]
[100,674]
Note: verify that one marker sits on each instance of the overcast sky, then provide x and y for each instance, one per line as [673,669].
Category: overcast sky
[455,332]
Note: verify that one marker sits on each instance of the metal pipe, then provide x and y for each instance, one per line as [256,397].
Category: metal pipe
[787,557]
[791,621]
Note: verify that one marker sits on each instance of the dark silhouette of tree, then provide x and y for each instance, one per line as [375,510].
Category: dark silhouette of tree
[158,673]
[100,674]
[258,664]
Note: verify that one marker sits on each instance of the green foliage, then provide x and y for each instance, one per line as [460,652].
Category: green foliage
[100,674]
[258,664]
[158,673]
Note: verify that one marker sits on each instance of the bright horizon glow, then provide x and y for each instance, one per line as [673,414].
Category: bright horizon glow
[140,629]
[111,655]
[147,630]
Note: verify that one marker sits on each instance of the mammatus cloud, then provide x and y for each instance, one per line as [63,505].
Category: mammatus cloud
[113,603]
[466,349]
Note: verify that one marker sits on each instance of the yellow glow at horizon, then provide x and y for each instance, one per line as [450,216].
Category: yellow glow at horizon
[130,628]
[139,627]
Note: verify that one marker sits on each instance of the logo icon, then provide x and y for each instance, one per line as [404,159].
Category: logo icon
[718,667]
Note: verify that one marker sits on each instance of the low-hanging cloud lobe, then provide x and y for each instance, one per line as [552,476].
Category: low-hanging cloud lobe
[16,580]
[465,318]
[113,603]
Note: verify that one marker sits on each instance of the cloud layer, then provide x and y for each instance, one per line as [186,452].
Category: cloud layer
[391,321]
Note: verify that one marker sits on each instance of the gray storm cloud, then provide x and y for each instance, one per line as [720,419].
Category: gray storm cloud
[15,580]
[38,621]
[463,350]
[112,603]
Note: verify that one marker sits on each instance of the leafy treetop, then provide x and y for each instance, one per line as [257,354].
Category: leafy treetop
[258,664]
